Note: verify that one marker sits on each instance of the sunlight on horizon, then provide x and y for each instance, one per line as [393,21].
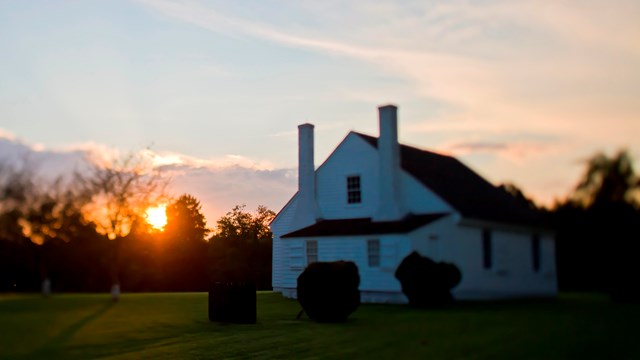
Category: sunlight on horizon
[157,216]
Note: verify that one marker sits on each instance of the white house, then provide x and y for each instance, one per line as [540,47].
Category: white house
[374,201]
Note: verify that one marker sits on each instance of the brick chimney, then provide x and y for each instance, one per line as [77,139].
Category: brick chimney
[390,190]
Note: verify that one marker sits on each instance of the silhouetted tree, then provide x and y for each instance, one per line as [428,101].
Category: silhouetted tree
[119,195]
[18,191]
[186,247]
[57,228]
[18,271]
[597,238]
[185,219]
[141,266]
[240,249]
[608,180]
[517,193]
[40,226]
[16,185]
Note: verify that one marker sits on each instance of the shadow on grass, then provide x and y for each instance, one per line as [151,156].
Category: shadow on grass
[59,341]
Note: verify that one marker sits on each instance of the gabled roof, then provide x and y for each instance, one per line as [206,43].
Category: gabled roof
[364,226]
[467,192]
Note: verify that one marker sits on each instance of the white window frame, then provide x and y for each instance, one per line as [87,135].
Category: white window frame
[373,253]
[311,247]
[356,191]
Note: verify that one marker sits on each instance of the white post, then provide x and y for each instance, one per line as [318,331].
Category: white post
[46,287]
[115,292]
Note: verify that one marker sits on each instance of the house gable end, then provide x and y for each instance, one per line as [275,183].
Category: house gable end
[351,158]
[282,223]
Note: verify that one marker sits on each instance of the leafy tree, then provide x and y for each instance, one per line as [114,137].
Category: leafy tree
[518,194]
[597,237]
[141,264]
[52,219]
[240,249]
[186,247]
[17,190]
[119,193]
[18,271]
[42,223]
[38,222]
[61,231]
[608,180]
[16,185]
[185,219]
[19,198]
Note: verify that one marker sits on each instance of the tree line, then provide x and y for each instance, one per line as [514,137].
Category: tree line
[88,233]
[597,228]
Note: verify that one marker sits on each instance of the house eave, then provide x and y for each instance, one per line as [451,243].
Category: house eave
[283,208]
[514,227]
[365,226]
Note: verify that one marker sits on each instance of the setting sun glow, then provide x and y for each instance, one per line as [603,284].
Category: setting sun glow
[157,216]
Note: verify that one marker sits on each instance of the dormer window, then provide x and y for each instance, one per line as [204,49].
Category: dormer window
[354,196]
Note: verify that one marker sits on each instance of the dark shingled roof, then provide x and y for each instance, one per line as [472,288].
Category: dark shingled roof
[364,226]
[467,192]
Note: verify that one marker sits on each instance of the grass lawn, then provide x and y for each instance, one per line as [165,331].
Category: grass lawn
[175,326]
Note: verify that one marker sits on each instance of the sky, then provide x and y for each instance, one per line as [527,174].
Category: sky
[213,91]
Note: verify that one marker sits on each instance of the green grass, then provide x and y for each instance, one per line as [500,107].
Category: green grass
[175,326]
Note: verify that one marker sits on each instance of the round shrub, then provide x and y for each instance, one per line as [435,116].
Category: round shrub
[328,291]
[450,275]
[427,283]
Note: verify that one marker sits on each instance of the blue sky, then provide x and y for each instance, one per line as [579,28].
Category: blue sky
[520,91]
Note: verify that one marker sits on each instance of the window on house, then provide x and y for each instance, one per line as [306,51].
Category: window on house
[312,251]
[373,253]
[535,252]
[354,196]
[486,249]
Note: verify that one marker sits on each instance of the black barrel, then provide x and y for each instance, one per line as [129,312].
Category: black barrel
[232,303]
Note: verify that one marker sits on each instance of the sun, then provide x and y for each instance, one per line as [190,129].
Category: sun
[157,216]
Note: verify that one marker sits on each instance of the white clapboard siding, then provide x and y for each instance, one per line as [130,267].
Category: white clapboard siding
[354,156]
[380,278]
[511,273]
[280,226]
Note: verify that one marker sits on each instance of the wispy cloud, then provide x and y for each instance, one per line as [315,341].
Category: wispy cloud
[530,62]
[4,134]
[513,151]
[219,184]
[564,69]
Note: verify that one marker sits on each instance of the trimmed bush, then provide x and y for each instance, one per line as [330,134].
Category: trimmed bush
[425,282]
[232,303]
[328,291]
